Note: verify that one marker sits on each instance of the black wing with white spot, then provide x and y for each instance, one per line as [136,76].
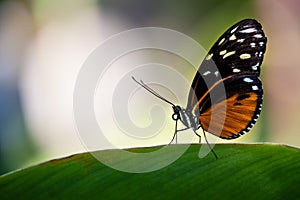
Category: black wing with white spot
[229,75]
[240,50]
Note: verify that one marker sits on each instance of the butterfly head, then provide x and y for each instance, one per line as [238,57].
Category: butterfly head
[176,114]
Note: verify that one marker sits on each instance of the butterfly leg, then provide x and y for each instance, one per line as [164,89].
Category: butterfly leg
[176,131]
[208,143]
[199,136]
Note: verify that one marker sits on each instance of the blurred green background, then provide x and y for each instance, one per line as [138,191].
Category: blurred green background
[43,44]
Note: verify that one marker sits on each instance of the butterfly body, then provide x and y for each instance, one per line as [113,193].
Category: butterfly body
[188,119]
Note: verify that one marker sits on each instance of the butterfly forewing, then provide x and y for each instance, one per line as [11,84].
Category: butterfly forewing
[239,50]
[219,80]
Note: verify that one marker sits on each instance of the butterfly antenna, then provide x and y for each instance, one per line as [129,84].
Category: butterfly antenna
[152,91]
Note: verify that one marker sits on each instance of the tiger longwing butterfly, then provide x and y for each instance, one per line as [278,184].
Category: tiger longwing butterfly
[237,56]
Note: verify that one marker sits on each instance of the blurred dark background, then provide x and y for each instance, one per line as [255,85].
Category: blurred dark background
[43,44]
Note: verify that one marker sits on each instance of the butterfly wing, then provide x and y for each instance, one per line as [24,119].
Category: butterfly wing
[238,52]
[234,113]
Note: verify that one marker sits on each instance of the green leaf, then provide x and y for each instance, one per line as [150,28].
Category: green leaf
[256,171]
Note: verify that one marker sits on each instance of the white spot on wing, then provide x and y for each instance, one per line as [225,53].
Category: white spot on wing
[261,44]
[248,30]
[254,67]
[235,70]
[232,37]
[233,30]
[229,54]
[258,36]
[221,41]
[252,44]
[241,40]
[245,56]
[206,73]
[248,80]
[222,52]
[209,56]
[216,73]
[254,87]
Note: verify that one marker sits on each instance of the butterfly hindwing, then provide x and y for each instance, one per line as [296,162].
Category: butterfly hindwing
[235,112]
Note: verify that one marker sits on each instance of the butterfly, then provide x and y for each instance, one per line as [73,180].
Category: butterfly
[225,98]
